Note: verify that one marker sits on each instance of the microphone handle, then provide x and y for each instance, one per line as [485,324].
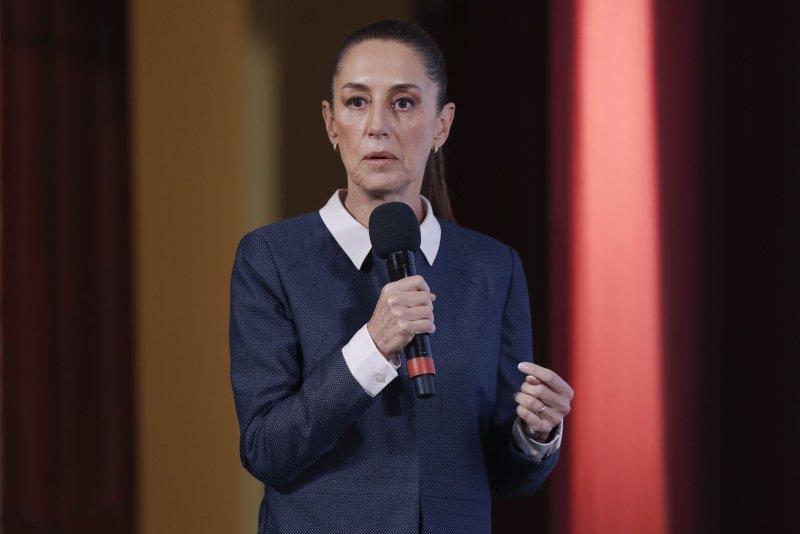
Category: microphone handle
[401,265]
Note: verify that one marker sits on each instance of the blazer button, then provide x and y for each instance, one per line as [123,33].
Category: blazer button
[380,378]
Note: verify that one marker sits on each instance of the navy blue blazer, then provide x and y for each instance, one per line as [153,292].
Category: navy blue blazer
[332,458]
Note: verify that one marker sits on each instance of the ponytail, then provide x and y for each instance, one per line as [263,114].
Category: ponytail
[434,186]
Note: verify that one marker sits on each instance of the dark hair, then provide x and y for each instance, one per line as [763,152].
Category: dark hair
[434,185]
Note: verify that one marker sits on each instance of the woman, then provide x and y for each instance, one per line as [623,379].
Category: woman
[329,421]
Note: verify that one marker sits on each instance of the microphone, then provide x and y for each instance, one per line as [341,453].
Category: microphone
[394,233]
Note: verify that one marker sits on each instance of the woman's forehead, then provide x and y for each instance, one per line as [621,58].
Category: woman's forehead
[378,62]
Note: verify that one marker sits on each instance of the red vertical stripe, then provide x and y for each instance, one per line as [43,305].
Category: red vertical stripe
[616,481]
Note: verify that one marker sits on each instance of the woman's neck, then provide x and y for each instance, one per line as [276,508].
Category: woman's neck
[360,205]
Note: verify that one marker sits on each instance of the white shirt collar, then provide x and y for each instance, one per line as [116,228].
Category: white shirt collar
[353,237]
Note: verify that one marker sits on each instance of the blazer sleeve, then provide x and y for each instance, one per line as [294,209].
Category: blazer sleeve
[512,472]
[288,416]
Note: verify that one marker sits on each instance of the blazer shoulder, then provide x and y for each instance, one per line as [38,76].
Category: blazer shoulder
[288,240]
[469,244]
[484,260]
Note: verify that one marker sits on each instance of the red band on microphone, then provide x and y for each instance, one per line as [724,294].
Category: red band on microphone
[423,365]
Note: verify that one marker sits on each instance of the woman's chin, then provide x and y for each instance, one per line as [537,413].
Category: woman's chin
[383,185]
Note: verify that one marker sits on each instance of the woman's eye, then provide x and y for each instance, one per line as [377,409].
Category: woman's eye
[403,103]
[356,102]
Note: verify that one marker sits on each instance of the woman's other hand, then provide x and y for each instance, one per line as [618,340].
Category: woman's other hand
[542,401]
[405,308]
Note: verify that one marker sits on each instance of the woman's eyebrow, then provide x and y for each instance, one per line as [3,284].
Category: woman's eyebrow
[354,85]
[397,87]
[405,87]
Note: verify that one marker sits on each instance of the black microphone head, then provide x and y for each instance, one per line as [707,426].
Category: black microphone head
[393,227]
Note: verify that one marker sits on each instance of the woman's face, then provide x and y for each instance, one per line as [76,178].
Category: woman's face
[385,119]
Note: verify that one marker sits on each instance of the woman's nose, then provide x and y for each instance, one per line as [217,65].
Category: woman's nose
[377,125]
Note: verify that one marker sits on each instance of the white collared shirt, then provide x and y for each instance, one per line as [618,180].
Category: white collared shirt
[363,358]
[353,236]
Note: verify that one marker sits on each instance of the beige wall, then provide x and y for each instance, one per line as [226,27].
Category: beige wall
[189,188]
[226,136]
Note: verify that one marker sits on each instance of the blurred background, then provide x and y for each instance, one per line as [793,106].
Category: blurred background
[642,156]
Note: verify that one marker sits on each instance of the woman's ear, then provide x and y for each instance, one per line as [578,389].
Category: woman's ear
[327,116]
[443,123]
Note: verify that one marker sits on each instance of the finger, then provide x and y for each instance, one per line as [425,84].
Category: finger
[417,314]
[544,411]
[534,423]
[422,326]
[533,380]
[400,287]
[398,301]
[546,395]
[549,377]
[531,403]
[413,283]
[540,408]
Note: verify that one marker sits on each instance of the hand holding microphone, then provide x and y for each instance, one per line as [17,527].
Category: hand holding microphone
[403,317]
[404,308]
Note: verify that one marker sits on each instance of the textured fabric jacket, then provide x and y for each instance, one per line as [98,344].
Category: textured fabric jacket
[332,458]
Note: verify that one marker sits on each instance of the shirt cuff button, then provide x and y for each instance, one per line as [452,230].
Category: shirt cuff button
[380,378]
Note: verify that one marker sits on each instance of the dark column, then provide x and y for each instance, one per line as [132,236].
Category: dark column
[67,384]
[749,287]
[678,79]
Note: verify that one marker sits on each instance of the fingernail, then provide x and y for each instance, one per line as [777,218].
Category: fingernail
[522,366]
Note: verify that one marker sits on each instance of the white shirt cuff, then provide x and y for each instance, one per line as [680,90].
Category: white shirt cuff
[531,447]
[367,364]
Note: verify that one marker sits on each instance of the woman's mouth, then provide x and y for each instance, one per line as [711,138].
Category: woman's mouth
[379,157]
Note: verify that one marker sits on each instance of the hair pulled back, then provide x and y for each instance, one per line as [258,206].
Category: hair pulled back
[434,185]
